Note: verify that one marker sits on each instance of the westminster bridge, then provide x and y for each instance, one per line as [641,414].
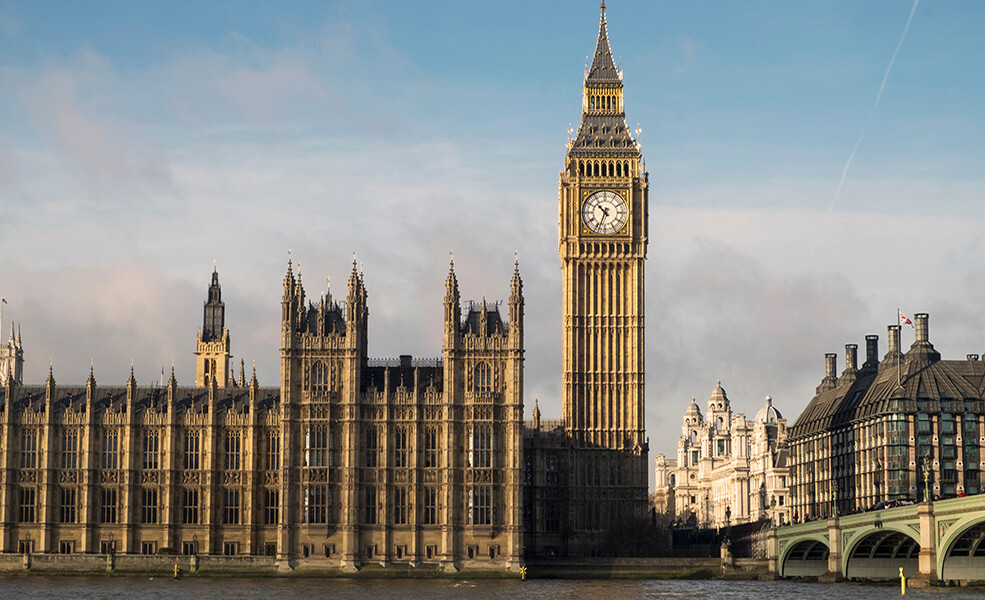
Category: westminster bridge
[932,542]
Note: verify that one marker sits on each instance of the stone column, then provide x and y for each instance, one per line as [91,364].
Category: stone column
[834,572]
[928,546]
[772,554]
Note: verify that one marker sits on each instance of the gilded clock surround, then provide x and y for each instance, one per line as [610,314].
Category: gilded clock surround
[622,231]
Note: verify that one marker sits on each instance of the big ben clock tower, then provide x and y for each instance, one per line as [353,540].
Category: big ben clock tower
[602,243]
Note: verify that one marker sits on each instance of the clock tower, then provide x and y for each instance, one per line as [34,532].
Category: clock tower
[602,243]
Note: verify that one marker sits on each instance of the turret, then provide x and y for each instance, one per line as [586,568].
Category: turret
[289,308]
[214,324]
[212,350]
[49,387]
[357,314]
[453,309]
[516,307]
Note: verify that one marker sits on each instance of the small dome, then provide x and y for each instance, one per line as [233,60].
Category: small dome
[718,399]
[768,414]
[693,412]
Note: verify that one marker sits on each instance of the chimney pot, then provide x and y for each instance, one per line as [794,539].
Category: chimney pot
[920,326]
[830,364]
[893,335]
[851,357]
[871,351]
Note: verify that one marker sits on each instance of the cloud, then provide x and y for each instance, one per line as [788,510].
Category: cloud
[133,183]
[73,109]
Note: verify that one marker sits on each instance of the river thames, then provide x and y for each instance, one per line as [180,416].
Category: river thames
[111,588]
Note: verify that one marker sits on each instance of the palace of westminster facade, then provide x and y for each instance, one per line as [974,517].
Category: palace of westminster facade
[353,460]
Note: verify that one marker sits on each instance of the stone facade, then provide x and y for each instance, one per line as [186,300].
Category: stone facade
[350,461]
[726,465]
[587,474]
[868,433]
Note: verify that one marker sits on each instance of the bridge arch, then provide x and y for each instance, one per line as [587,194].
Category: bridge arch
[805,556]
[879,552]
[961,549]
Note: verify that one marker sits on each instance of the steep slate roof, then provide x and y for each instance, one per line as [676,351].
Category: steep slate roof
[603,69]
[155,399]
[925,379]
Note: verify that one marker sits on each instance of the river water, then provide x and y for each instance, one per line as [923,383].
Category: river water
[112,588]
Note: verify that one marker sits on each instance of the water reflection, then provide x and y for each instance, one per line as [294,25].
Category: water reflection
[162,588]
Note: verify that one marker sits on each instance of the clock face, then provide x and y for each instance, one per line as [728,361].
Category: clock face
[605,212]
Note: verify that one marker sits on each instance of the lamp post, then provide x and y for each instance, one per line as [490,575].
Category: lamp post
[728,525]
[878,479]
[926,479]
[773,511]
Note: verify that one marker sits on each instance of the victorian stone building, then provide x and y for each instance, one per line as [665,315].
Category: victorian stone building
[900,427]
[729,469]
[351,460]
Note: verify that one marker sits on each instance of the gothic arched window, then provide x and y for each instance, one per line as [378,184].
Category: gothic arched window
[319,378]
[482,375]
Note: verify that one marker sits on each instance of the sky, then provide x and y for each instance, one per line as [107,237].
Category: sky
[140,142]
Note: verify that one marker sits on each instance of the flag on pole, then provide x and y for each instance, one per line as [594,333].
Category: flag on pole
[2,299]
[903,320]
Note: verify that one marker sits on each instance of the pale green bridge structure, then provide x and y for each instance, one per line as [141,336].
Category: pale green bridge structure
[933,542]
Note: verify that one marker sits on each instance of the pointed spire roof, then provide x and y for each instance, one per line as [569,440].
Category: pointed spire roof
[516,283]
[603,69]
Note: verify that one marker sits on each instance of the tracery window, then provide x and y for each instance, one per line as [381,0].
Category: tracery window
[400,506]
[192,449]
[316,446]
[29,450]
[400,447]
[319,378]
[111,450]
[430,447]
[372,446]
[483,378]
[152,449]
[70,449]
[232,453]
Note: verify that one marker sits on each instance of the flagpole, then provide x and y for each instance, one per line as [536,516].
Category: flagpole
[899,363]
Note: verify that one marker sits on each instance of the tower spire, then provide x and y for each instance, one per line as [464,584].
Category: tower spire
[603,67]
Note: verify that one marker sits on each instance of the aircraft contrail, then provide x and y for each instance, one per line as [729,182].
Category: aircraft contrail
[882,86]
